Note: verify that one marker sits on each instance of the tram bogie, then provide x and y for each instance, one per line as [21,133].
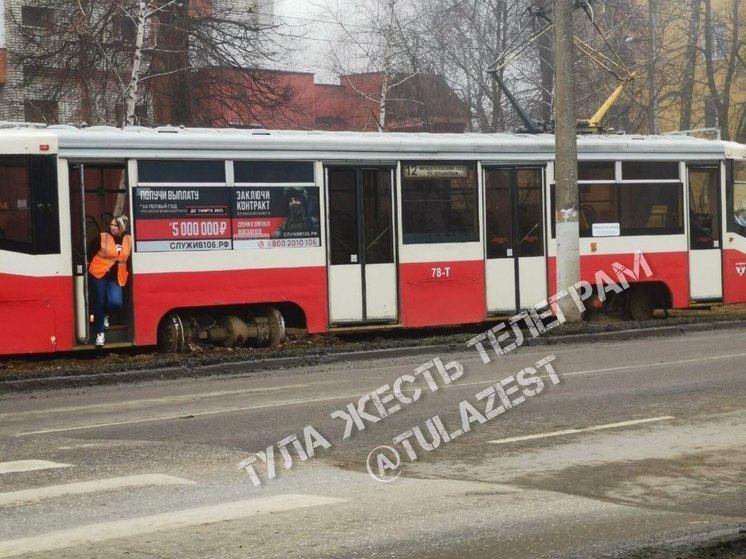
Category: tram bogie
[231,327]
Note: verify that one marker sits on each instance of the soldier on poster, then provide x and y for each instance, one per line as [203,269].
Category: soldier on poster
[302,212]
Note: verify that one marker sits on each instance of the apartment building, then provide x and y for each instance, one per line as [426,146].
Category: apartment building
[71,62]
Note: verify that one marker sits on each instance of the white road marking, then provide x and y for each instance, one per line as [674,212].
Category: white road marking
[356,396]
[656,365]
[108,444]
[29,465]
[108,406]
[28,495]
[186,415]
[104,531]
[583,430]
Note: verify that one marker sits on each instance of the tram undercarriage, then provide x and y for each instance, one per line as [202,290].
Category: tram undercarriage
[235,327]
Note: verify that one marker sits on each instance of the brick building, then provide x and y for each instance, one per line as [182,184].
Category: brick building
[292,100]
[71,81]
[73,87]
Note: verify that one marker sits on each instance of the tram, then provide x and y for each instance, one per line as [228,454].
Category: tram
[237,233]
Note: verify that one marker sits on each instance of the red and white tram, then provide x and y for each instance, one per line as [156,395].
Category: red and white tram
[236,231]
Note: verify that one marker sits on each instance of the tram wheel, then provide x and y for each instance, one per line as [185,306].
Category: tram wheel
[277,332]
[171,337]
[640,304]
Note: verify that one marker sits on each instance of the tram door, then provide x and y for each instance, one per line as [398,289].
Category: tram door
[362,263]
[97,194]
[705,257]
[516,272]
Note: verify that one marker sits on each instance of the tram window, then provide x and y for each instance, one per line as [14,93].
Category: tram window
[439,203]
[15,203]
[596,171]
[498,208]
[737,200]
[178,171]
[344,246]
[529,219]
[377,218]
[650,170]
[32,16]
[273,171]
[651,209]
[598,204]
[704,218]
[29,220]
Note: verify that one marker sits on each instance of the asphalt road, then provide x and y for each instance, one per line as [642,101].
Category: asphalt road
[624,449]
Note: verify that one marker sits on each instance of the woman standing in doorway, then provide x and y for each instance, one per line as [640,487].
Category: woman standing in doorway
[108,273]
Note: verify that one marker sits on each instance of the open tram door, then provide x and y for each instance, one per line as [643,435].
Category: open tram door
[705,242]
[515,263]
[98,192]
[361,247]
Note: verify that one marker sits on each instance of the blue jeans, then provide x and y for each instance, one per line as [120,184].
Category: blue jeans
[107,298]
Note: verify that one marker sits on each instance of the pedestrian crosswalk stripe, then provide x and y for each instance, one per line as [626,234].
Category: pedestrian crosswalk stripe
[29,465]
[94,486]
[104,531]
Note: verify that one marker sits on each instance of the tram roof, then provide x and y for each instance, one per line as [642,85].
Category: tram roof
[178,142]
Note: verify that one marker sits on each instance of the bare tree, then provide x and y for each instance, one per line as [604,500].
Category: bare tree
[724,46]
[690,62]
[379,43]
[118,61]
[515,40]
[465,39]
[700,72]
[689,68]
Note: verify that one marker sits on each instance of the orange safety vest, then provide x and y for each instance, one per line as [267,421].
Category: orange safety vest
[107,256]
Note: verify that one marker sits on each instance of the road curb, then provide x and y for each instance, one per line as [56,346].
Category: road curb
[280,363]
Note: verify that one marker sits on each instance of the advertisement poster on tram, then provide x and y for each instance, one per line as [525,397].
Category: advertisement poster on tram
[169,219]
[275,217]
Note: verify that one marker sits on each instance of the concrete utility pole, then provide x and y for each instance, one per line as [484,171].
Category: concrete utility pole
[566,164]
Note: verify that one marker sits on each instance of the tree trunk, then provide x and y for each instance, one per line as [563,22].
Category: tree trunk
[652,95]
[382,105]
[129,118]
[690,63]
[546,69]
[721,97]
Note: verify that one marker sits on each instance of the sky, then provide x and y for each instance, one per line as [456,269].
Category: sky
[304,23]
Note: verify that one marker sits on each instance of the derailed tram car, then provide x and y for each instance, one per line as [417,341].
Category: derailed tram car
[237,232]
